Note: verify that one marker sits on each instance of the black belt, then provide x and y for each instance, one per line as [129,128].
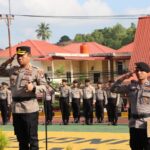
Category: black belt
[22,99]
[139,116]
[3,99]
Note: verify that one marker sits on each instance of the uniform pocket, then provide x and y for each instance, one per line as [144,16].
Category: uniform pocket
[13,79]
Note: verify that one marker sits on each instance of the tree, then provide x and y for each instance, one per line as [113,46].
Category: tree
[98,36]
[43,31]
[64,38]
[114,37]
[129,34]
[79,38]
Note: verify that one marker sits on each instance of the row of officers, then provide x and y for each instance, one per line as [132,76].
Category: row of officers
[88,96]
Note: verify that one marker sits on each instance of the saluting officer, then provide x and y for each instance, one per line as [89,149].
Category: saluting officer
[25,81]
[139,97]
[101,100]
[49,99]
[113,102]
[76,97]
[5,101]
[88,100]
[65,98]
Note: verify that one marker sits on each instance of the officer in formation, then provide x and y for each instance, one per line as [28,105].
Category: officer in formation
[139,97]
[5,101]
[25,81]
[112,107]
[88,101]
[101,101]
[76,99]
[49,99]
[64,101]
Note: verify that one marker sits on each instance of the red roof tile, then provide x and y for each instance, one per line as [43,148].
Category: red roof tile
[93,48]
[126,48]
[38,48]
[141,50]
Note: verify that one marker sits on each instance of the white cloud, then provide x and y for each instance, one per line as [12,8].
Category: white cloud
[138,10]
[61,7]
[24,28]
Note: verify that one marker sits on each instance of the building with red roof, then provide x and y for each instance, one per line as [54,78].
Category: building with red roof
[127,48]
[38,48]
[141,50]
[72,61]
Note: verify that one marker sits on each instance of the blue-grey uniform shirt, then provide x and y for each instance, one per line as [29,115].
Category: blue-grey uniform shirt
[139,97]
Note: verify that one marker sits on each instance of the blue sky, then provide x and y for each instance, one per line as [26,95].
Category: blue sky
[24,28]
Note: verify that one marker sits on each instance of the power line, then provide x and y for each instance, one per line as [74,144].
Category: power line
[136,16]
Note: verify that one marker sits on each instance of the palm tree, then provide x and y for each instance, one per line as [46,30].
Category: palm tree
[43,31]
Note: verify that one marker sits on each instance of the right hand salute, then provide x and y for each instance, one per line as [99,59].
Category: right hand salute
[126,76]
[9,61]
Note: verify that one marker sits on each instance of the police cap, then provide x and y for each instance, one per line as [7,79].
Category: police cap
[87,80]
[4,83]
[99,82]
[64,80]
[21,50]
[141,66]
[75,81]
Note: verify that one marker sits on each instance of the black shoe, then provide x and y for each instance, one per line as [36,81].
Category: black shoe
[65,122]
[76,120]
[4,123]
[98,121]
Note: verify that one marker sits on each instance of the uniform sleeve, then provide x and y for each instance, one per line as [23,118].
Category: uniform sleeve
[118,99]
[81,95]
[53,96]
[5,72]
[105,98]
[69,94]
[94,95]
[41,82]
[9,97]
[118,87]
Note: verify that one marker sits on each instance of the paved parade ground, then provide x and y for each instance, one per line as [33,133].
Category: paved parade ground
[78,137]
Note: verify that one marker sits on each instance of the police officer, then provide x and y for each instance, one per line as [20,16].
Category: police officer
[101,100]
[88,100]
[49,99]
[5,101]
[65,98]
[25,81]
[76,98]
[113,102]
[139,97]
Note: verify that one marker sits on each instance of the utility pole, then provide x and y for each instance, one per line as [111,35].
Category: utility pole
[8,19]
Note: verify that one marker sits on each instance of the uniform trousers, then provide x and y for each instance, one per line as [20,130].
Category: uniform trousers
[112,110]
[48,110]
[26,130]
[4,110]
[76,108]
[65,109]
[99,105]
[88,110]
[138,139]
